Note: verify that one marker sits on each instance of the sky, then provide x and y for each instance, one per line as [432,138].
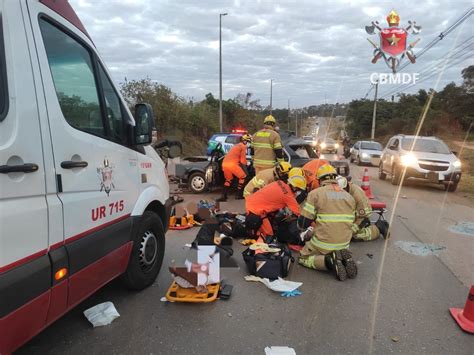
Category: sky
[316,51]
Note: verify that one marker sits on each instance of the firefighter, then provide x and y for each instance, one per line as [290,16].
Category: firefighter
[310,170]
[266,146]
[362,228]
[265,203]
[267,176]
[333,210]
[232,167]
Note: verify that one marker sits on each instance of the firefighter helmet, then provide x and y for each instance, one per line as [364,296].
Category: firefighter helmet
[326,170]
[270,120]
[246,138]
[297,181]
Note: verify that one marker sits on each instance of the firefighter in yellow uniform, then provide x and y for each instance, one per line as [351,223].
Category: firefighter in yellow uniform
[362,228]
[333,211]
[267,150]
[267,176]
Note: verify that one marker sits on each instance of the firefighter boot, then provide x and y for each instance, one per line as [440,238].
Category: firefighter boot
[223,197]
[383,227]
[240,193]
[349,263]
[333,261]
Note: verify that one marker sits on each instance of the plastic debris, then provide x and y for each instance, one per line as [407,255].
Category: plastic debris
[101,314]
[395,339]
[279,350]
[279,285]
[293,293]
[419,249]
[229,314]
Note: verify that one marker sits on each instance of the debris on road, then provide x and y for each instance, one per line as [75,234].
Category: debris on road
[293,293]
[395,339]
[466,228]
[279,350]
[370,255]
[278,285]
[101,314]
[419,249]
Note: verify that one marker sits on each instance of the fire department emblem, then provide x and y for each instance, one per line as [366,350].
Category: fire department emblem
[105,176]
[393,41]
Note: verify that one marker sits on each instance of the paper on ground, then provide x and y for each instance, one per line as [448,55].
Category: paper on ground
[279,350]
[279,285]
[101,314]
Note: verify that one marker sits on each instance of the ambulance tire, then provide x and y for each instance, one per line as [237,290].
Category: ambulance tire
[147,252]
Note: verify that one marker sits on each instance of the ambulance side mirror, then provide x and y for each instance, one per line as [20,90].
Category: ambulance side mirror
[144,121]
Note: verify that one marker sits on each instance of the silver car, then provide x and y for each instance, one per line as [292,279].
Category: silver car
[366,152]
[426,158]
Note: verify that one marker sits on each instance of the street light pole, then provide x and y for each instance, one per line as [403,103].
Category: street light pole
[288,115]
[271,96]
[372,135]
[220,72]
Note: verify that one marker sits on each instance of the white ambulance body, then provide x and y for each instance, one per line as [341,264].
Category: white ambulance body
[83,198]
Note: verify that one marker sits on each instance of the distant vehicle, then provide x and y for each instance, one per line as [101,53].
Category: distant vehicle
[366,152]
[310,139]
[426,158]
[226,139]
[328,145]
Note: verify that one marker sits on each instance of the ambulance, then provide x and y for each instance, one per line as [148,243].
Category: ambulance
[84,199]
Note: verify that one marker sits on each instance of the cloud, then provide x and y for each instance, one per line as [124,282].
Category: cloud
[314,50]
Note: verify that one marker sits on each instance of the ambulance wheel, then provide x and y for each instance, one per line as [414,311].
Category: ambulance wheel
[147,252]
[197,183]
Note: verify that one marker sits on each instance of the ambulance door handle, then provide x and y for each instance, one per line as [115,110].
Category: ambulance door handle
[23,168]
[69,164]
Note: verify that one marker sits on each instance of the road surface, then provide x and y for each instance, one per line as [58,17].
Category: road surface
[398,303]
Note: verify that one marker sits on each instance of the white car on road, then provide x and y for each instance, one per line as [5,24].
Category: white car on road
[366,152]
[426,158]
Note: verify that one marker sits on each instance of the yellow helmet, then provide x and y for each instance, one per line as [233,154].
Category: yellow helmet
[269,120]
[283,167]
[296,172]
[246,138]
[297,181]
[326,170]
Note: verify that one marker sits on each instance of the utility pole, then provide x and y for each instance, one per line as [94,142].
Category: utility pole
[296,124]
[220,72]
[288,115]
[372,136]
[271,96]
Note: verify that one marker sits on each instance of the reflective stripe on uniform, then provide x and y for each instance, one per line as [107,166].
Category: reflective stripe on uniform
[277,145]
[308,207]
[334,218]
[258,183]
[262,134]
[262,145]
[264,162]
[328,246]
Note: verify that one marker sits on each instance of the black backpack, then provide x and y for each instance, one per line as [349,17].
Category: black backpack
[269,265]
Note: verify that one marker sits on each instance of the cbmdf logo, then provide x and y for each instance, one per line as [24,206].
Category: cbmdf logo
[393,41]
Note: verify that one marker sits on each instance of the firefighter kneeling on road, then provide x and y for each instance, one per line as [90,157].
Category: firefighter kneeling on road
[266,146]
[233,165]
[267,176]
[362,227]
[333,210]
[265,203]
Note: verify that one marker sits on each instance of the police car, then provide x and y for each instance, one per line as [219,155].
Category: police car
[84,198]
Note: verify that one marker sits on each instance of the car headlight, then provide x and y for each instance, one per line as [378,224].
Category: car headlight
[365,155]
[313,144]
[409,159]
[323,145]
[457,164]
[336,145]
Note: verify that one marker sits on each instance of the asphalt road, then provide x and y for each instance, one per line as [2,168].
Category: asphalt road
[398,303]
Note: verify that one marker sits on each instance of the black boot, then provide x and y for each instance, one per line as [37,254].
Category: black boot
[349,263]
[240,193]
[223,197]
[333,261]
[383,227]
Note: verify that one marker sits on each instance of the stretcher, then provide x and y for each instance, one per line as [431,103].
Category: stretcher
[178,294]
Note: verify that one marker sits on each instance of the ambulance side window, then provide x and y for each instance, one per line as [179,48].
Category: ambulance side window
[3,77]
[113,109]
[73,75]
